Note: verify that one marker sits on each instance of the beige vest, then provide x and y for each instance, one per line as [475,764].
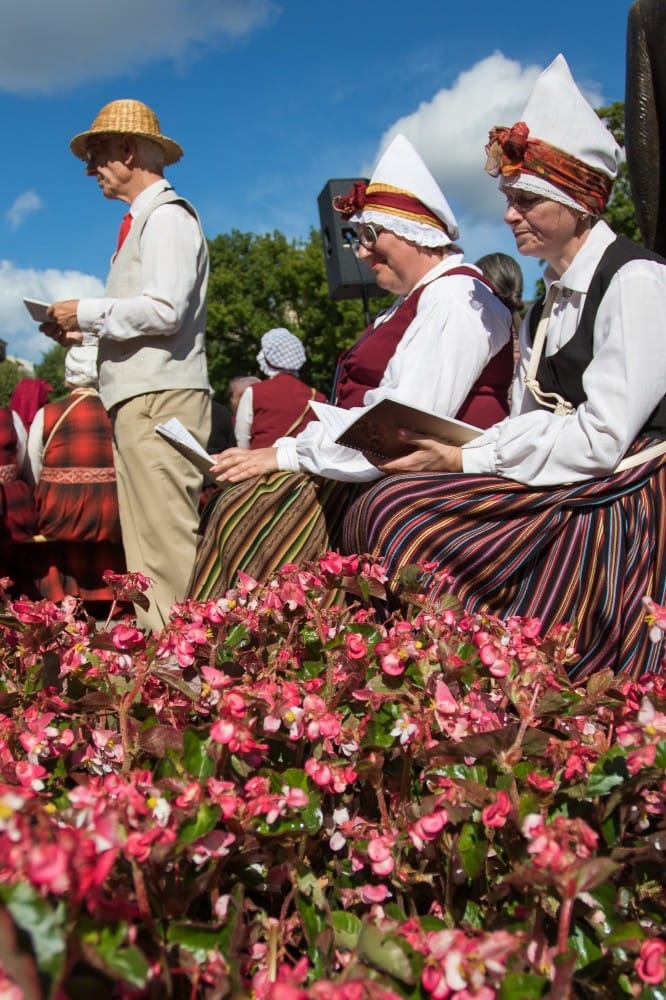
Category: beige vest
[145,364]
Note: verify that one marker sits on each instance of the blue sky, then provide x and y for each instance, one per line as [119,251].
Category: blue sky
[269,101]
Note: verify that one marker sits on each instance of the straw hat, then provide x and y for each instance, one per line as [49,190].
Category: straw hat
[127,117]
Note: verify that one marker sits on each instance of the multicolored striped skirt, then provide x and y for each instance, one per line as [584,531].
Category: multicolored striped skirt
[583,555]
[262,523]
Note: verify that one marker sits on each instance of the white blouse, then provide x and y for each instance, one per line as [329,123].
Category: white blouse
[624,382]
[458,327]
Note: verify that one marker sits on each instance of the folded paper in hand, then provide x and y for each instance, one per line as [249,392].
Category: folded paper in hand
[179,436]
[375,431]
[37,310]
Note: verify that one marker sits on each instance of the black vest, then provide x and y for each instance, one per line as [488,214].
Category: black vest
[562,372]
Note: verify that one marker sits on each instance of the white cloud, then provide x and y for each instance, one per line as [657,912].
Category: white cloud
[53,46]
[16,327]
[450,132]
[24,205]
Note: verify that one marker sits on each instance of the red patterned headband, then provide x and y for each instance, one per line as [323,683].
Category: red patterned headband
[511,152]
[384,198]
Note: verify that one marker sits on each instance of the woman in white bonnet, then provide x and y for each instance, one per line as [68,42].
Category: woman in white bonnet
[559,511]
[443,344]
[71,463]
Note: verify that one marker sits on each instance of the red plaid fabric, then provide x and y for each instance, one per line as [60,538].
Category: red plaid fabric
[18,519]
[84,511]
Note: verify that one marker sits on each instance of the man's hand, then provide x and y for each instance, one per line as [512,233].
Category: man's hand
[236,464]
[429,455]
[62,325]
[65,314]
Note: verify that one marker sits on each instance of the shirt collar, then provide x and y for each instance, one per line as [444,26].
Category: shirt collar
[143,199]
[579,273]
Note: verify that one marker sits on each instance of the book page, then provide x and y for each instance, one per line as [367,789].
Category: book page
[179,436]
[37,310]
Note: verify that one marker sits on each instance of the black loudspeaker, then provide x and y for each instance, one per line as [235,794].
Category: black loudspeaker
[347,276]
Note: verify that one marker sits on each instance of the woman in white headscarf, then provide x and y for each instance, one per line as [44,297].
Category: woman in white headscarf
[279,405]
[559,511]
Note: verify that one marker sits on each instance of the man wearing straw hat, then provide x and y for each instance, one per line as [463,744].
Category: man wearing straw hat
[150,329]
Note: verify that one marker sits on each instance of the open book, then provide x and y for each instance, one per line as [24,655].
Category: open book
[375,431]
[179,436]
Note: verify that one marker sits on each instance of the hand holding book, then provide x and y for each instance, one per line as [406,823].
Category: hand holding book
[375,431]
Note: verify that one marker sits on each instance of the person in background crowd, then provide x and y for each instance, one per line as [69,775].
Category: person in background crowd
[504,273]
[70,462]
[237,387]
[29,395]
[18,518]
[278,406]
[440,339]
[558,512]
[150,326]
[222,427]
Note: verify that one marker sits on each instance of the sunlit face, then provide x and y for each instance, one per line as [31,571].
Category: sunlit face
[105,161]
[541,228]
[397,264]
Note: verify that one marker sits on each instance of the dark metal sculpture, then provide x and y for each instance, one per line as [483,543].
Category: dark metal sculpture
[645,118]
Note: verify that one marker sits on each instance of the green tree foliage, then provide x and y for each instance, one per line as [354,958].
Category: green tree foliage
[620,213]
[52,368]
[10,375]
[262,281]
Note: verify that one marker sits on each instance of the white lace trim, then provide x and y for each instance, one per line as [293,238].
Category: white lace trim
[415,232]
[537,185]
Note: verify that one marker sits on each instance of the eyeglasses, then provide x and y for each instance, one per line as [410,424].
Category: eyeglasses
[368,235]
[96,147]
[522,201]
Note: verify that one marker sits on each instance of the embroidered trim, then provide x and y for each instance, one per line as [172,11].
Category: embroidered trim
[78,475]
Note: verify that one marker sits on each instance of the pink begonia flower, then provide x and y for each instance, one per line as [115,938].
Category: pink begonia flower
[656,619]
[30,775]
[495,815]
[379,853]
[124,637]
[541,782]
[320,772]
[444,700]
[356,646]
[215,844]
[651,962]
[374,893]
[427,828]
[641,757]
[339,565]
[48,866]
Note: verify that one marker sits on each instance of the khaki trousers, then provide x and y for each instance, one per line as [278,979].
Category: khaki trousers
[158,493]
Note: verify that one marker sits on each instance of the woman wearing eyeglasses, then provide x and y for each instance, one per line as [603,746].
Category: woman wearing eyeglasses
[443,345]
[558,512]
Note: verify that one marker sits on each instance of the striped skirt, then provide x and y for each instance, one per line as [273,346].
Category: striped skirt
[262,523]
[583,555]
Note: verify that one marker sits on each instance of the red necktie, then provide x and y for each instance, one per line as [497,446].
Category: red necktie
[125,226]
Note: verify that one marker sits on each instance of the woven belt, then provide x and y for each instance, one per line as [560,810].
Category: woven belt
[104,474]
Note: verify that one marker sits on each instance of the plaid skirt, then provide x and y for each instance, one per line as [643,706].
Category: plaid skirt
[583,555]
[262,523]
